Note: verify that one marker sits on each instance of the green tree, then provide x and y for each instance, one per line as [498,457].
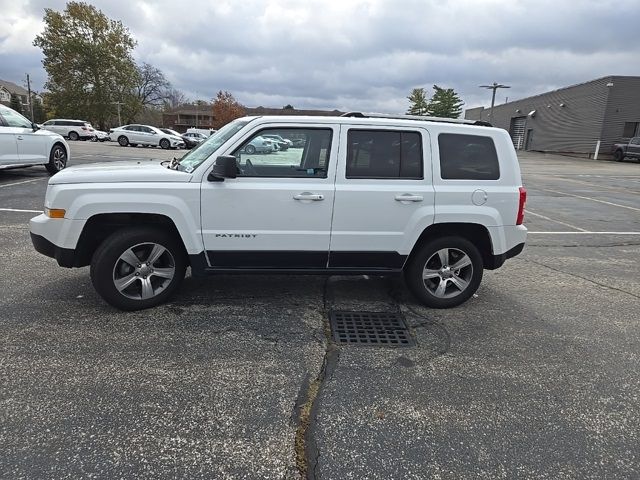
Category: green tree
[39,114]
[15,103]
[88,60]
[418,104]
[445,103]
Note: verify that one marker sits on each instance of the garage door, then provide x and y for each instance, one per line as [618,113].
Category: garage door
[517,131]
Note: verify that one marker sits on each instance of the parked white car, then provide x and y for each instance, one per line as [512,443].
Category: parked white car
[435,200]
[23,144]
[135,135]
[100,136]
[207,132]
[71,129]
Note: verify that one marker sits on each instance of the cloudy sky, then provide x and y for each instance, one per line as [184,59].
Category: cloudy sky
[355,54]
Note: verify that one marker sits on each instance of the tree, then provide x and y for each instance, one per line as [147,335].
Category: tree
[225,109]
[174,99]
[39,115]
[288,106]
[418,104]
[88,60]
[15,103]
[445,103]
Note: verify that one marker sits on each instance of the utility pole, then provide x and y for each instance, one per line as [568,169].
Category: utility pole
[495,86]
[30,100]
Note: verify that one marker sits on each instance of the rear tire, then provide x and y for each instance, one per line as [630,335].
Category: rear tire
[445,272]
[250,149]
[618,156]
[57,159]
[73,136]
[123,141]
[138,267]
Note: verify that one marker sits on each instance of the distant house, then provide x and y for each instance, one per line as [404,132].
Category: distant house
[9,88]
[187,116]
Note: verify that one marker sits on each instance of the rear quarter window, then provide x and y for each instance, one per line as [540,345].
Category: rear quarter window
[468,157]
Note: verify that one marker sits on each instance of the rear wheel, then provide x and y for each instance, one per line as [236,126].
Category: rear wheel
[445,272]
[164,144]
[57,159]
[138,268]
[618,156]
[123,141]
[73,136]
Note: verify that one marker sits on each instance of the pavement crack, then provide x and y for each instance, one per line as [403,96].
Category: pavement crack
[582,278]
[306,450]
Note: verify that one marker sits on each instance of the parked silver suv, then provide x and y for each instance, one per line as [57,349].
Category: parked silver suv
[71,129]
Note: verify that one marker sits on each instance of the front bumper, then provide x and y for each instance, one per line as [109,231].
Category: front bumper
[64,256]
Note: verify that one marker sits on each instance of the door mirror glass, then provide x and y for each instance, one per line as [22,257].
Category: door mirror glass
[225,167]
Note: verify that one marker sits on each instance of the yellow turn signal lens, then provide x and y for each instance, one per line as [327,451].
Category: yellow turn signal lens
[54,212]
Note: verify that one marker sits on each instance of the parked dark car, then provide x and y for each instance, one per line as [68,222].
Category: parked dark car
[628,150]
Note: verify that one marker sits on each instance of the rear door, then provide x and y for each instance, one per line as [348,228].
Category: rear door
[384,194]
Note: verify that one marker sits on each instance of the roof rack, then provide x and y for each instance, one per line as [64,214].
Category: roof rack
[417,117]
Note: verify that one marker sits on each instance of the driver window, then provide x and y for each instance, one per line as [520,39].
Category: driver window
[14,119]
[285,152]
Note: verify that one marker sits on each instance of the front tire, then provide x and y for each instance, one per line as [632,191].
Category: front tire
[137,268]
[123,141]
[164,144]
[445,272]
[618,156]
[250,149]
[57,159]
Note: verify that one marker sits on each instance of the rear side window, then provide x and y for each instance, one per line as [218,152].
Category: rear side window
[468,157]
[384,154]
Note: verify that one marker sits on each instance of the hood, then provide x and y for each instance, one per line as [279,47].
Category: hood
[118,172]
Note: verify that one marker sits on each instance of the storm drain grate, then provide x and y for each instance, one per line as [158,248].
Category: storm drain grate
[370,328]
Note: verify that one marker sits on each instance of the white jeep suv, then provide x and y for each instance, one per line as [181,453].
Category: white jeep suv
[23,144]
[436,201]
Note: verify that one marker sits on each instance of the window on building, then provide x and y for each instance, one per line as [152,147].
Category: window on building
[384,154]
[468,157]
[631,129]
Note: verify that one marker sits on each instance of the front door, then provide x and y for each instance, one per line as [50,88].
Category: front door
[384,195]
[31,146]
[8,145]
[277,213]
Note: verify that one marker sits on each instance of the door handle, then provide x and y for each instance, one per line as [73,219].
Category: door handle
[408,197]
[308,196]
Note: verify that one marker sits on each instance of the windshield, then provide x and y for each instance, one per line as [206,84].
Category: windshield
[195,157]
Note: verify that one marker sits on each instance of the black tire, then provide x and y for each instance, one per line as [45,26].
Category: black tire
[57,159]
[107,266]
[123,141]
[250,149]
[73,136]
[426,261]
[618,155]
[165,144]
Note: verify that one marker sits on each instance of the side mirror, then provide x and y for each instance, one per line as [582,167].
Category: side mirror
[225,167]
[34,127]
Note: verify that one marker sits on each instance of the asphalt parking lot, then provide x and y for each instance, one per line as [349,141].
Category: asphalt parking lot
[535,377]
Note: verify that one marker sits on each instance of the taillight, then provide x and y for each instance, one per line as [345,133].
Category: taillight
[522,201]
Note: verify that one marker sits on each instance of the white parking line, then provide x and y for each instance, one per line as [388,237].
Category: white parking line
[592,199]
[20,183]
[19,210]
[584,233]
[529,212]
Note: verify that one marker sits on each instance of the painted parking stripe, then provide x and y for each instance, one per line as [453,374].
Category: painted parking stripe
[21,183]
[583,233]
[529,212]
[19,210]
[592,199]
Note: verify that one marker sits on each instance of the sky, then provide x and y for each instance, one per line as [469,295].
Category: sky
[364,55]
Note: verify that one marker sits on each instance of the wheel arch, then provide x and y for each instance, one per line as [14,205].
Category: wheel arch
[476,233]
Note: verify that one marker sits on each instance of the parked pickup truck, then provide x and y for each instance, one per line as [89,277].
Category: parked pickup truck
[629,150]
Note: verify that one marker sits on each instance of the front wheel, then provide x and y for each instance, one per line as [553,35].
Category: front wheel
[123,141]
[250,149]
[138,268]
[57,159]
[445,272]
[618,156]
[164,144]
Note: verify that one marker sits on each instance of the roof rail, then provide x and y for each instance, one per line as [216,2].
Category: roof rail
[417,117]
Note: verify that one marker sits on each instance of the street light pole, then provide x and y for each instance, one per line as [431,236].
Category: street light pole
[495,86]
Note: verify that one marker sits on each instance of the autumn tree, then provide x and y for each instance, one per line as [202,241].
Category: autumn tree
[225,109]
[445,103]
[418,103]
[87,57]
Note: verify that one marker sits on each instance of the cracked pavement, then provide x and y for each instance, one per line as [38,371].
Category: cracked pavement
[536,376]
